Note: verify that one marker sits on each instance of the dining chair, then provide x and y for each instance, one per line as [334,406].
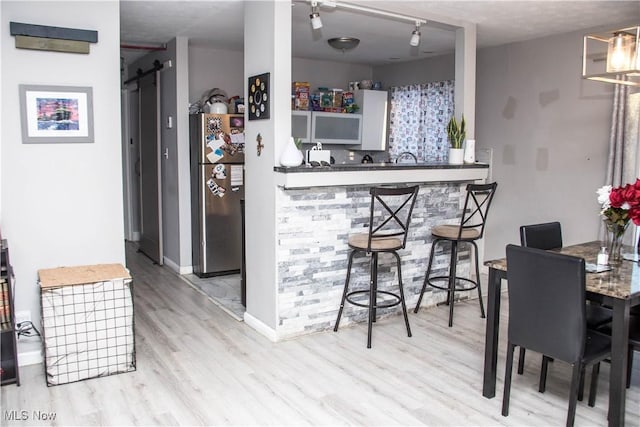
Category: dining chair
[547,289]
[548,236]
[389,219]
[471,228]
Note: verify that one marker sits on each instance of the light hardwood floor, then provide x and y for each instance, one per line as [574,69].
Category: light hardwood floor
[198,366]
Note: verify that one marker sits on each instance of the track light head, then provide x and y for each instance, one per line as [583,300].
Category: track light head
[415,36]
[316,22]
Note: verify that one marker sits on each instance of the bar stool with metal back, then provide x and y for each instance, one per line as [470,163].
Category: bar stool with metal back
[470,229]
[387,234]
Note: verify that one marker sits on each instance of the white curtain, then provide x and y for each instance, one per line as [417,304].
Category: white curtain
[418,120]
[624,140]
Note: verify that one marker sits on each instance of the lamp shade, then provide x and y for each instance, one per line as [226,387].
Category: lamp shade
[415,38]
[613,56]
[316,22]
[620,54]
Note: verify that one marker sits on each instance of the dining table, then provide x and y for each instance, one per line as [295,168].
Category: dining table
[618,288]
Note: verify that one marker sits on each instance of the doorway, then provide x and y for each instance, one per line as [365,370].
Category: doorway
[142,164]
[150,167]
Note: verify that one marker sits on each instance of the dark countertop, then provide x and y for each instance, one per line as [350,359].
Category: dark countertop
[377,167]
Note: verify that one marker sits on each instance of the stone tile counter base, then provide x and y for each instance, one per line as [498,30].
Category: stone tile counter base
[313,225]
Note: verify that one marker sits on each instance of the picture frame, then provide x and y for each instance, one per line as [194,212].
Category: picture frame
[259,97]
[56,114]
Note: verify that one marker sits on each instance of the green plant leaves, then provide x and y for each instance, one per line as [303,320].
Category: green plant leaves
[456,133]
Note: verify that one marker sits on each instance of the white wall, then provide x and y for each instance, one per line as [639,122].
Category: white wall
[268,54]
[209,68]
[549,132]
[427,70]
[61,203]
[329,74]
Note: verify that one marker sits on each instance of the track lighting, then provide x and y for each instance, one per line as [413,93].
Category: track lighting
[415,36]
[316,22]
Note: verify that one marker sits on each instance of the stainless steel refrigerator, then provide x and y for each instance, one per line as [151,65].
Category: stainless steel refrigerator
[217,187]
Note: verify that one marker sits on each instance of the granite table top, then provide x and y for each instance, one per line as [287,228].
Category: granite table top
[622,281]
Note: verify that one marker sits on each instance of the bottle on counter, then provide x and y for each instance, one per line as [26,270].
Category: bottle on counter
[603,256]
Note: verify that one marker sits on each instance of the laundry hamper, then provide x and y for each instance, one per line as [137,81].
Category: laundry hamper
[87,322]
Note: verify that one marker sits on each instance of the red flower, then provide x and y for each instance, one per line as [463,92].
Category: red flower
[634,214]
[617,197]
[632,194]
[620,204]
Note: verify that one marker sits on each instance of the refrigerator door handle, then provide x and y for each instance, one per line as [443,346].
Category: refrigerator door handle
[203,214]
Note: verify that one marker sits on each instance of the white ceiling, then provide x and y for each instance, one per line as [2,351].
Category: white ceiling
[219,24]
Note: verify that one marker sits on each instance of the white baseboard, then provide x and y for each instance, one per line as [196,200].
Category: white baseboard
[29,353]
[175,267]
[260,327]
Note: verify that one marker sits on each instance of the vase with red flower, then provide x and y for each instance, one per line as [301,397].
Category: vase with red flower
[620,205]
[615,233]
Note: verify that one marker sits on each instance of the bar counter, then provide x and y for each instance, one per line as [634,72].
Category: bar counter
[317,208]
[377,173]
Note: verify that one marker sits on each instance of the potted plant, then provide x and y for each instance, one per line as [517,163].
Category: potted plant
[456,133]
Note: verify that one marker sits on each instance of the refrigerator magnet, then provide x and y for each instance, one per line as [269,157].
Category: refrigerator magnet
[214,124]
[219,171]
[215,155]
[215,189]
[236,175]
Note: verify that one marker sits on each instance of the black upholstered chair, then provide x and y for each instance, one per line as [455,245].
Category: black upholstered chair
[470,229]
[548,236]
[387,234]
[547,289]
[542,236]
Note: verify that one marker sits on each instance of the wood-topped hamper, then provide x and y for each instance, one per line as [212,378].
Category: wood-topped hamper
[87,322]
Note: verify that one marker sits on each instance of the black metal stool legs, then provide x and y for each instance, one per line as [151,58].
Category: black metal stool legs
[426,276]
[373,297]
[372,304]
[475,248]
[404,305]
[450,281]
[346,289]
[451,293]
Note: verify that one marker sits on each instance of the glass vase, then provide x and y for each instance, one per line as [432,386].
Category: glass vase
[615,233]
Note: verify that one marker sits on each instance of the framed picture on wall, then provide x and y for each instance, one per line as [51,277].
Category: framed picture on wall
[56,114]
[259,97]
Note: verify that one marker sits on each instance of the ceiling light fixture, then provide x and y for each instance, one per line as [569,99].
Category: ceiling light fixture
[316,22]
[415,36]
[612,57]
[369,10]
[343,43]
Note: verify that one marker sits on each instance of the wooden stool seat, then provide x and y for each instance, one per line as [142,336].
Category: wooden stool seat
[448,231]
[361,240]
